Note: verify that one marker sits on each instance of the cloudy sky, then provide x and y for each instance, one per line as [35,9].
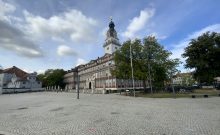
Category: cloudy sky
[47,34]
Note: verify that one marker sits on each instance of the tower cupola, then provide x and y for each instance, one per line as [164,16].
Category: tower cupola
[111,42]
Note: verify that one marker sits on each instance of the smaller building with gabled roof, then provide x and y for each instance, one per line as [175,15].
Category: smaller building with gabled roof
[18,80]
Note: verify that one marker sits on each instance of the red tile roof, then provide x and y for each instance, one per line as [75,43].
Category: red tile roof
[18,72]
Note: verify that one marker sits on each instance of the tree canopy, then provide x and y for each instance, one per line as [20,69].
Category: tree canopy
[148,57]
[52,77]
[203,55]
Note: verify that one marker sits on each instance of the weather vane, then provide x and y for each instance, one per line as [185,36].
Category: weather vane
[110,18]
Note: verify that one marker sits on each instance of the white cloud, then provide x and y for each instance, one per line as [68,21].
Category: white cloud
[28,71]
[58,39]
[72,24]
[160,37]
[64,50]
[40,71]
[178,49]
[103,32]
[5,8]
[80,61]
[138,23]
[22,36]
[13,39]
[211,28]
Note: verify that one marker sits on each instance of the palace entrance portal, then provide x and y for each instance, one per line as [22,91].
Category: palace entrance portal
[90,85]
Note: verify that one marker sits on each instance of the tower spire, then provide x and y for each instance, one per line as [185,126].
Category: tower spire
[112,42]
[110,18]
[111,23]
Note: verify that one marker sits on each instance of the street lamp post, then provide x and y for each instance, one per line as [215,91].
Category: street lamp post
[132,71]
[77,86]
[174,93]
[151,39]
[149,68]
[109,72]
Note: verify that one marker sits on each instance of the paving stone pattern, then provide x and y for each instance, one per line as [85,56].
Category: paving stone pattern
[48,113]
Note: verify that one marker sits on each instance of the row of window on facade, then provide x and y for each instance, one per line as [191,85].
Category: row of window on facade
[108,83]
[115,48]
[101,74]
[28,82]
[94,64]
[98,67]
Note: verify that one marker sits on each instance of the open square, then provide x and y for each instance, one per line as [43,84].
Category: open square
[47,113]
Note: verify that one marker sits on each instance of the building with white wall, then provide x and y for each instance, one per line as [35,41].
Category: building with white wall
[16,80]
[70,79]
[183,79]
[96,76]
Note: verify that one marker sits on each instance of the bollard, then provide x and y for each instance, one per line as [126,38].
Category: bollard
[127,92]
[205,96]
[193,96]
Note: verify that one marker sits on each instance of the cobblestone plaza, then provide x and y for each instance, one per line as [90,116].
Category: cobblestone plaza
[48,113]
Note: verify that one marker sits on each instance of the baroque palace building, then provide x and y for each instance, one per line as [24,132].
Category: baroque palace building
[95,76]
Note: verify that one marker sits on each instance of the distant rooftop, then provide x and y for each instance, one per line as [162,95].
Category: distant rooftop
[15,70]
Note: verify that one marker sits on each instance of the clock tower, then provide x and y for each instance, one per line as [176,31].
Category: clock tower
[111,42]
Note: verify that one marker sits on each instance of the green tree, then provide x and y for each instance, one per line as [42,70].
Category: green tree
[122,59]
[148,57]
[52,77]
[162,67]
[203,55]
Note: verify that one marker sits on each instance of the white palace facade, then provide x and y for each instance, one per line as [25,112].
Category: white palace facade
[95,76]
